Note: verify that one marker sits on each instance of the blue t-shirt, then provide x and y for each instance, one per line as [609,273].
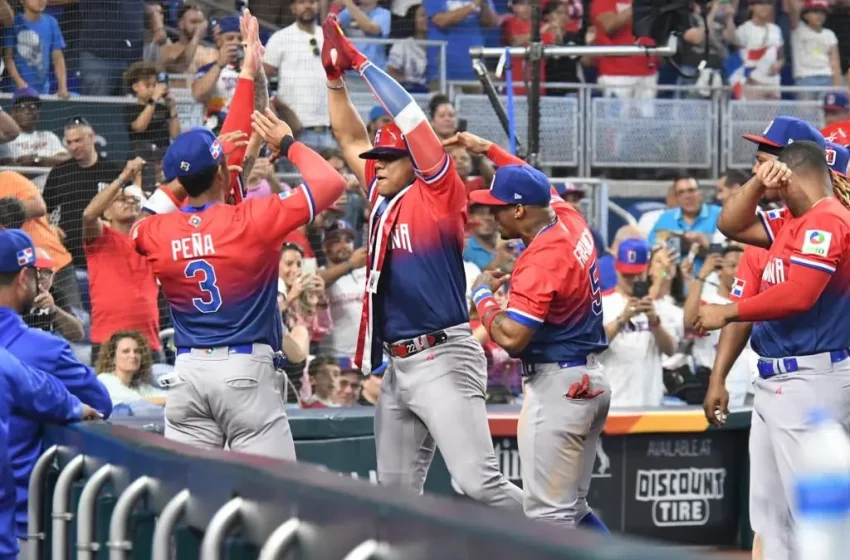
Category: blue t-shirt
[459,39]
[477,254]
[374,52]
[33,43]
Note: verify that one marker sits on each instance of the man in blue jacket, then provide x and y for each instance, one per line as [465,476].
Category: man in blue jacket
[40,350]
[40,397]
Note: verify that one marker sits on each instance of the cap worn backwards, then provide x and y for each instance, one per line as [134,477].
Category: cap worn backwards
[785,130]
[190,153]
[515,184]
[17,251]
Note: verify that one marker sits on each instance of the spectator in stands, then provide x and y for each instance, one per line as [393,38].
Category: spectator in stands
[574,195]
[152,121]
[625,77]
[188,55]
[345,281]
[215,83]
[293,54]
[365,18]
[761,49]
[728,184]
[15,188]
[302,296]
[565,23]
[354,208]
[33,49]
[463,164]
[692,219]
[721,33]
[649,212]
[324,374]
[348,383]
[155,34]
[7,15]
[70,186]
[639,329]
[370,388]
[408,60]
[121,282]
[445,123]
[704,349]
[32,148]
[44,313]
[124,367]
[814,48]
[839,21]
[460,23]
[516,32]
[111,38]
[378,117]
[480,248]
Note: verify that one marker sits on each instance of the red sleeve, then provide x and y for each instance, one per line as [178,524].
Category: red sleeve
[238,119]
[748,275]
[532,291]
[599,7]
[139,234]
[773,220]
[500,156]
[447,193]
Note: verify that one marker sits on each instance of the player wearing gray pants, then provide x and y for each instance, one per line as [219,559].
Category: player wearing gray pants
[435,398]
[228,396]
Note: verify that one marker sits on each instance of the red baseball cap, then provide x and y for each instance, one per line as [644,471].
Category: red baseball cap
[389,143]
[822,5]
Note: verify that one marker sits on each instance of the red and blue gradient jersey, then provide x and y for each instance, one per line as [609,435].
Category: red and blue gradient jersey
[555,290]
[218,267]
[819,240]
[422,285]
[748,275]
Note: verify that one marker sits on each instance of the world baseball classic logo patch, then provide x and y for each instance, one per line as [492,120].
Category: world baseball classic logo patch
[816,242]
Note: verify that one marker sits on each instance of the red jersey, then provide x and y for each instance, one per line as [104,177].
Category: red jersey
[619,65]
[122,289]
[837,132]
[748,276]
[513,26]
[555,289]
[819,240]
[218,266]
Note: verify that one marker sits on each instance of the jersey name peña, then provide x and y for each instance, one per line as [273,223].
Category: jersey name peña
[195,246]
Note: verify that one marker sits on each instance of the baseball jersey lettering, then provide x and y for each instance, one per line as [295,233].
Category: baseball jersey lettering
[400,238]
[193,247]
[818,240]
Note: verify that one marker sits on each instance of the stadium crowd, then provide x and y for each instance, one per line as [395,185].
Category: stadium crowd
[96,292]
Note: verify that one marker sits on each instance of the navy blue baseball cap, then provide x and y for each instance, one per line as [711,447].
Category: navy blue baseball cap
[836,101]
[17,251]
[837,157]
[632,256]
[377,112]
[190,153]
[229,24]
[339,228]
[784,130]
[515,184]
[22,95]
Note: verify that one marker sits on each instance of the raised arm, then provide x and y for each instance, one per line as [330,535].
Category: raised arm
[426,150]
[739,219]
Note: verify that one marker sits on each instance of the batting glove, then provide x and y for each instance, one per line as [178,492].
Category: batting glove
[347,55]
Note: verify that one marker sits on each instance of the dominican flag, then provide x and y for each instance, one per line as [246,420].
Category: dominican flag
[741,66]
[738,287]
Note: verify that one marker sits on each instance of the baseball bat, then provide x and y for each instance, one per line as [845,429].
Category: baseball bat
[509,80]
[489,89]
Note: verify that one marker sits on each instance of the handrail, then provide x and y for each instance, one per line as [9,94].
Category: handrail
[35,501]
[279,541]
[168,518]
[86,544]
[364,551]
[221,522]
[580,50]
[61,501]
[119,545]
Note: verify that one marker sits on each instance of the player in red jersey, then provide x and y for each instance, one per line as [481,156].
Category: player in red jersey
[433,391]
[553,323]
[217,265]
[836,115]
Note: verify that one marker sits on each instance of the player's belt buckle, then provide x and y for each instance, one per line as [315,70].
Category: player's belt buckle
[407,348]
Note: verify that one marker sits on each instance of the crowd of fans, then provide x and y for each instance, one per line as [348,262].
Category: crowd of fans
[97,291]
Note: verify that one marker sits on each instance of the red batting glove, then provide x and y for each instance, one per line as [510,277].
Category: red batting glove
[582,390]
[347,55]
[332,70]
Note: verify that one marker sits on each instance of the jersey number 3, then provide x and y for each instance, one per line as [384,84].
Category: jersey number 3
[596,304]
[204,274]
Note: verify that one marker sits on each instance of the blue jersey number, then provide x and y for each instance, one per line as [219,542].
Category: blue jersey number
[204,274]
[596,305]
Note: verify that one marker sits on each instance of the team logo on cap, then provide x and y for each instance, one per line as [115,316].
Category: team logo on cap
[830,156]
[215,149]
[830,99]
[184,165]
[517,196]
[25,256]
[768,128]
[631,256]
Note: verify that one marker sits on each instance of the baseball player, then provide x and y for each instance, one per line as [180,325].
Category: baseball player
[801,338]
[836,115]
[433,390]
[553,323]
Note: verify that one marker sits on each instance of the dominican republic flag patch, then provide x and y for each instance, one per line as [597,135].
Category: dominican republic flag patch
[26,256]
[774,214]
[738,287]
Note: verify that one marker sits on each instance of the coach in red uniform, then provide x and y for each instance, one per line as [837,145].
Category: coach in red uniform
[553,323]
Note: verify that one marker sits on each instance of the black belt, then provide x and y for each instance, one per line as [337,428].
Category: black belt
[530,368]
[317,128]
[407,348]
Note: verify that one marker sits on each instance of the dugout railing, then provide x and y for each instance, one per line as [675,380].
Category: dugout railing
[118,491]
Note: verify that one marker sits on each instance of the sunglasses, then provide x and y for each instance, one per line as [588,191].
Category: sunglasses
[315,44]
[77,121]
[32,106]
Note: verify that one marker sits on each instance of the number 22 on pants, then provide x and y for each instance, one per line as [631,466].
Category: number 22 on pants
[204,274]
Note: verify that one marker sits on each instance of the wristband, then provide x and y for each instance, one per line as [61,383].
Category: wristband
[285,144]
[486,305]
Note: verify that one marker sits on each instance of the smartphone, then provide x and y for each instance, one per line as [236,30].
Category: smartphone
[674,247]
[715,249]
[309,267]
[162,78]
[461,125]
[640,289]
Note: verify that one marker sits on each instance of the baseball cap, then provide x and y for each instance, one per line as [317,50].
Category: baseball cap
[389,143]
[17,251]
[836,101]
[822,5]
[564,189]
[377,112]
[339,228]
[43,259]
[837,157]
[632,256]
[229,24]
[22,95]
[515,184]
[191,152]
[784,130]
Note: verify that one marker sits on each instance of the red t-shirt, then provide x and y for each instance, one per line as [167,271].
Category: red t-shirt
[619,65]
[122,289]
[513,26]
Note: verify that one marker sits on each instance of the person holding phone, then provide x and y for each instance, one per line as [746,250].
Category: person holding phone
[152,122]
[640,328]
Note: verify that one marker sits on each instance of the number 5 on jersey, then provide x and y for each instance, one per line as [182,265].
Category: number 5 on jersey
[204,274]
[596,304]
